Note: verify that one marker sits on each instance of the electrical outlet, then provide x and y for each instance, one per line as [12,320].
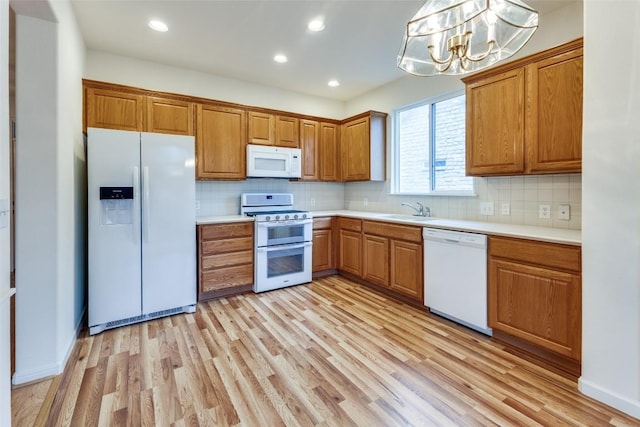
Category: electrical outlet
[544,211]
[313,202]
[486,208]
[505,209]
[365,202]
[564,212]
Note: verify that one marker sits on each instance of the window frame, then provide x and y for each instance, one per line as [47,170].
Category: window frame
[395,147]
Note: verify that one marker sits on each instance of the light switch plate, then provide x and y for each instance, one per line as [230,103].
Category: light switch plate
[544,211]
[4,213]
[486,208]
[505,209]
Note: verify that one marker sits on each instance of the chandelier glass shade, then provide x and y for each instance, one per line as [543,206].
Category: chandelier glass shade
[461,36]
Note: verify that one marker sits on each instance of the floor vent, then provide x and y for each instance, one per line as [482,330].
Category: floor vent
[136,319]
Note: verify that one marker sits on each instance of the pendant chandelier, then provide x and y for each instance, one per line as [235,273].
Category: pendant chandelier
[461,36]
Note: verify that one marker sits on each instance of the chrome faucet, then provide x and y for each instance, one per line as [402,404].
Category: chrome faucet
[421,210]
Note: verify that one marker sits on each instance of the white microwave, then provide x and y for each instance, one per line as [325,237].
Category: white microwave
[273,162]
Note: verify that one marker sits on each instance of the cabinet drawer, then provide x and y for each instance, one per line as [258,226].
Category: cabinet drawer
[552,255]
[225,260]
[221,231]
[227,245]
[226,277]
[400,232]
[350,224]
[322,223]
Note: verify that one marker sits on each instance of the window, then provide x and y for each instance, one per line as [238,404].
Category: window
[429,148]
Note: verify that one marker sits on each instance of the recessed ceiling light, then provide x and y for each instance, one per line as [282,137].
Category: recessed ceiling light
[333,83]
[280,58]
[316,25]
[158,26]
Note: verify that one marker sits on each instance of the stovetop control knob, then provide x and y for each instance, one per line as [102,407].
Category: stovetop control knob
[277,217]
[267,218]
[295,216]
[286,217]
[304,216]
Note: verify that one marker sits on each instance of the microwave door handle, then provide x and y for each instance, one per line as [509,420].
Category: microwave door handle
[283,247]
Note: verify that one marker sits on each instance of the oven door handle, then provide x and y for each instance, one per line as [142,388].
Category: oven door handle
[284,223]
[283,247]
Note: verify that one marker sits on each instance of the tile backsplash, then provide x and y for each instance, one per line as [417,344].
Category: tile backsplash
[523,194]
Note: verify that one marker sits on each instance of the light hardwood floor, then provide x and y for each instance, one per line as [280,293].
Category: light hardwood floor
[330,353]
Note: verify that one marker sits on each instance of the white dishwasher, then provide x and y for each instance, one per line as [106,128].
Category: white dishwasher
[455,276]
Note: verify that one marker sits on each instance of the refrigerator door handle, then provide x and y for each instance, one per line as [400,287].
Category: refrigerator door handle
[136,213]
[145,203]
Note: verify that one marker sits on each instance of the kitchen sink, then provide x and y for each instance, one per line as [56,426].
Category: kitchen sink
[408,217]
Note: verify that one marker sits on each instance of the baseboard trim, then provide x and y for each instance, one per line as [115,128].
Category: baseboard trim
[609,397]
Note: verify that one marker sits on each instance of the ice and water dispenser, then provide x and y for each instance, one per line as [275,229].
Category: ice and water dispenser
[116,205]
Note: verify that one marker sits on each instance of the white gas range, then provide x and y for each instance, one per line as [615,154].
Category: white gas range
[283,240]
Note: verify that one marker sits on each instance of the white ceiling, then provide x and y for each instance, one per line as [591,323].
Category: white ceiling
[238,38]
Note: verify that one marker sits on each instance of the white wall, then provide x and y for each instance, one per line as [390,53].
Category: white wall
[50,248]
[611,229]
[149,75]
[523,194]
[5,360]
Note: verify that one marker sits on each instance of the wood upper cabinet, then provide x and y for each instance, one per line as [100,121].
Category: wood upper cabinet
[114,109]
[270,129]
[310,145]
[323,245]
[535,293]
[554,114]
[262,128]
[362,147]
[525,117]
[225,259]
[328,151]
[495,124]
[220,142]
[169,116]
[350,245]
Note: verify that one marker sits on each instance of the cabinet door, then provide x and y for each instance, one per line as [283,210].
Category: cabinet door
[112,109]
[355,149]
[350,252]
[220,143]
[169,116]
[328,152]
[554,119]
[495,124]
[309,143]
[406,269]
[539,305]
[323,250]
[287,131]
[261,128]
[375,255]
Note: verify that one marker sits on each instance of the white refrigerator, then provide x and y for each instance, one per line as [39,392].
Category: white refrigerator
[141,226]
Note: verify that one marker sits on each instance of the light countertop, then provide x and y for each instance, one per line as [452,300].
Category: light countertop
[546,234]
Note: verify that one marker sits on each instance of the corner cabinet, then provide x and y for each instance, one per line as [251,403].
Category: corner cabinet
[535,298]
[225,259]
[323,247]
[525,117]
[220,142]
[362,147]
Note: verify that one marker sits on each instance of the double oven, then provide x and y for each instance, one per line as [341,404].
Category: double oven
[283,240]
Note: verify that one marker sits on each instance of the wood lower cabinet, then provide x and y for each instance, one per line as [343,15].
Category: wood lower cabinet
[220,142]
[225,259]
[350,245]
[535,297]
[392,257]
[323,245]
